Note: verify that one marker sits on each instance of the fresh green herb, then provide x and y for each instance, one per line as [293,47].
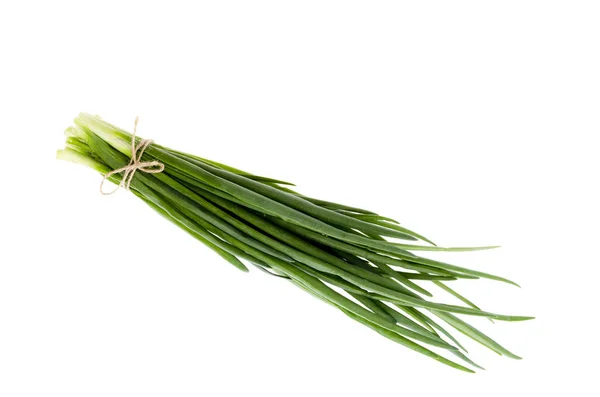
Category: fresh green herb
[346,256]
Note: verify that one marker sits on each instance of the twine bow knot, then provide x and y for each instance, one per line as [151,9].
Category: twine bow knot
[136,164]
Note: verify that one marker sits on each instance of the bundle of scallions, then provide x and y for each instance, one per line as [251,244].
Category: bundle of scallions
[348,257]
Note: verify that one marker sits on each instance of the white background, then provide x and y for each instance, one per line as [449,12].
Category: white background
[471,122]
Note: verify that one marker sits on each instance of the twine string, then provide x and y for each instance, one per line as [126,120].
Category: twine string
[136,164]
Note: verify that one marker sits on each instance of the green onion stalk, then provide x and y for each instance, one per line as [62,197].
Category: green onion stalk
[358,261]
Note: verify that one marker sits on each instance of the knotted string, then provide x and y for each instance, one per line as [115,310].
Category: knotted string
[136,163]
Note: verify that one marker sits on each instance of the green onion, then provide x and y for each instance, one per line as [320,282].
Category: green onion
[353,259]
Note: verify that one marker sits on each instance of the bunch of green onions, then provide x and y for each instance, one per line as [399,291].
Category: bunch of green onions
[348,257]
